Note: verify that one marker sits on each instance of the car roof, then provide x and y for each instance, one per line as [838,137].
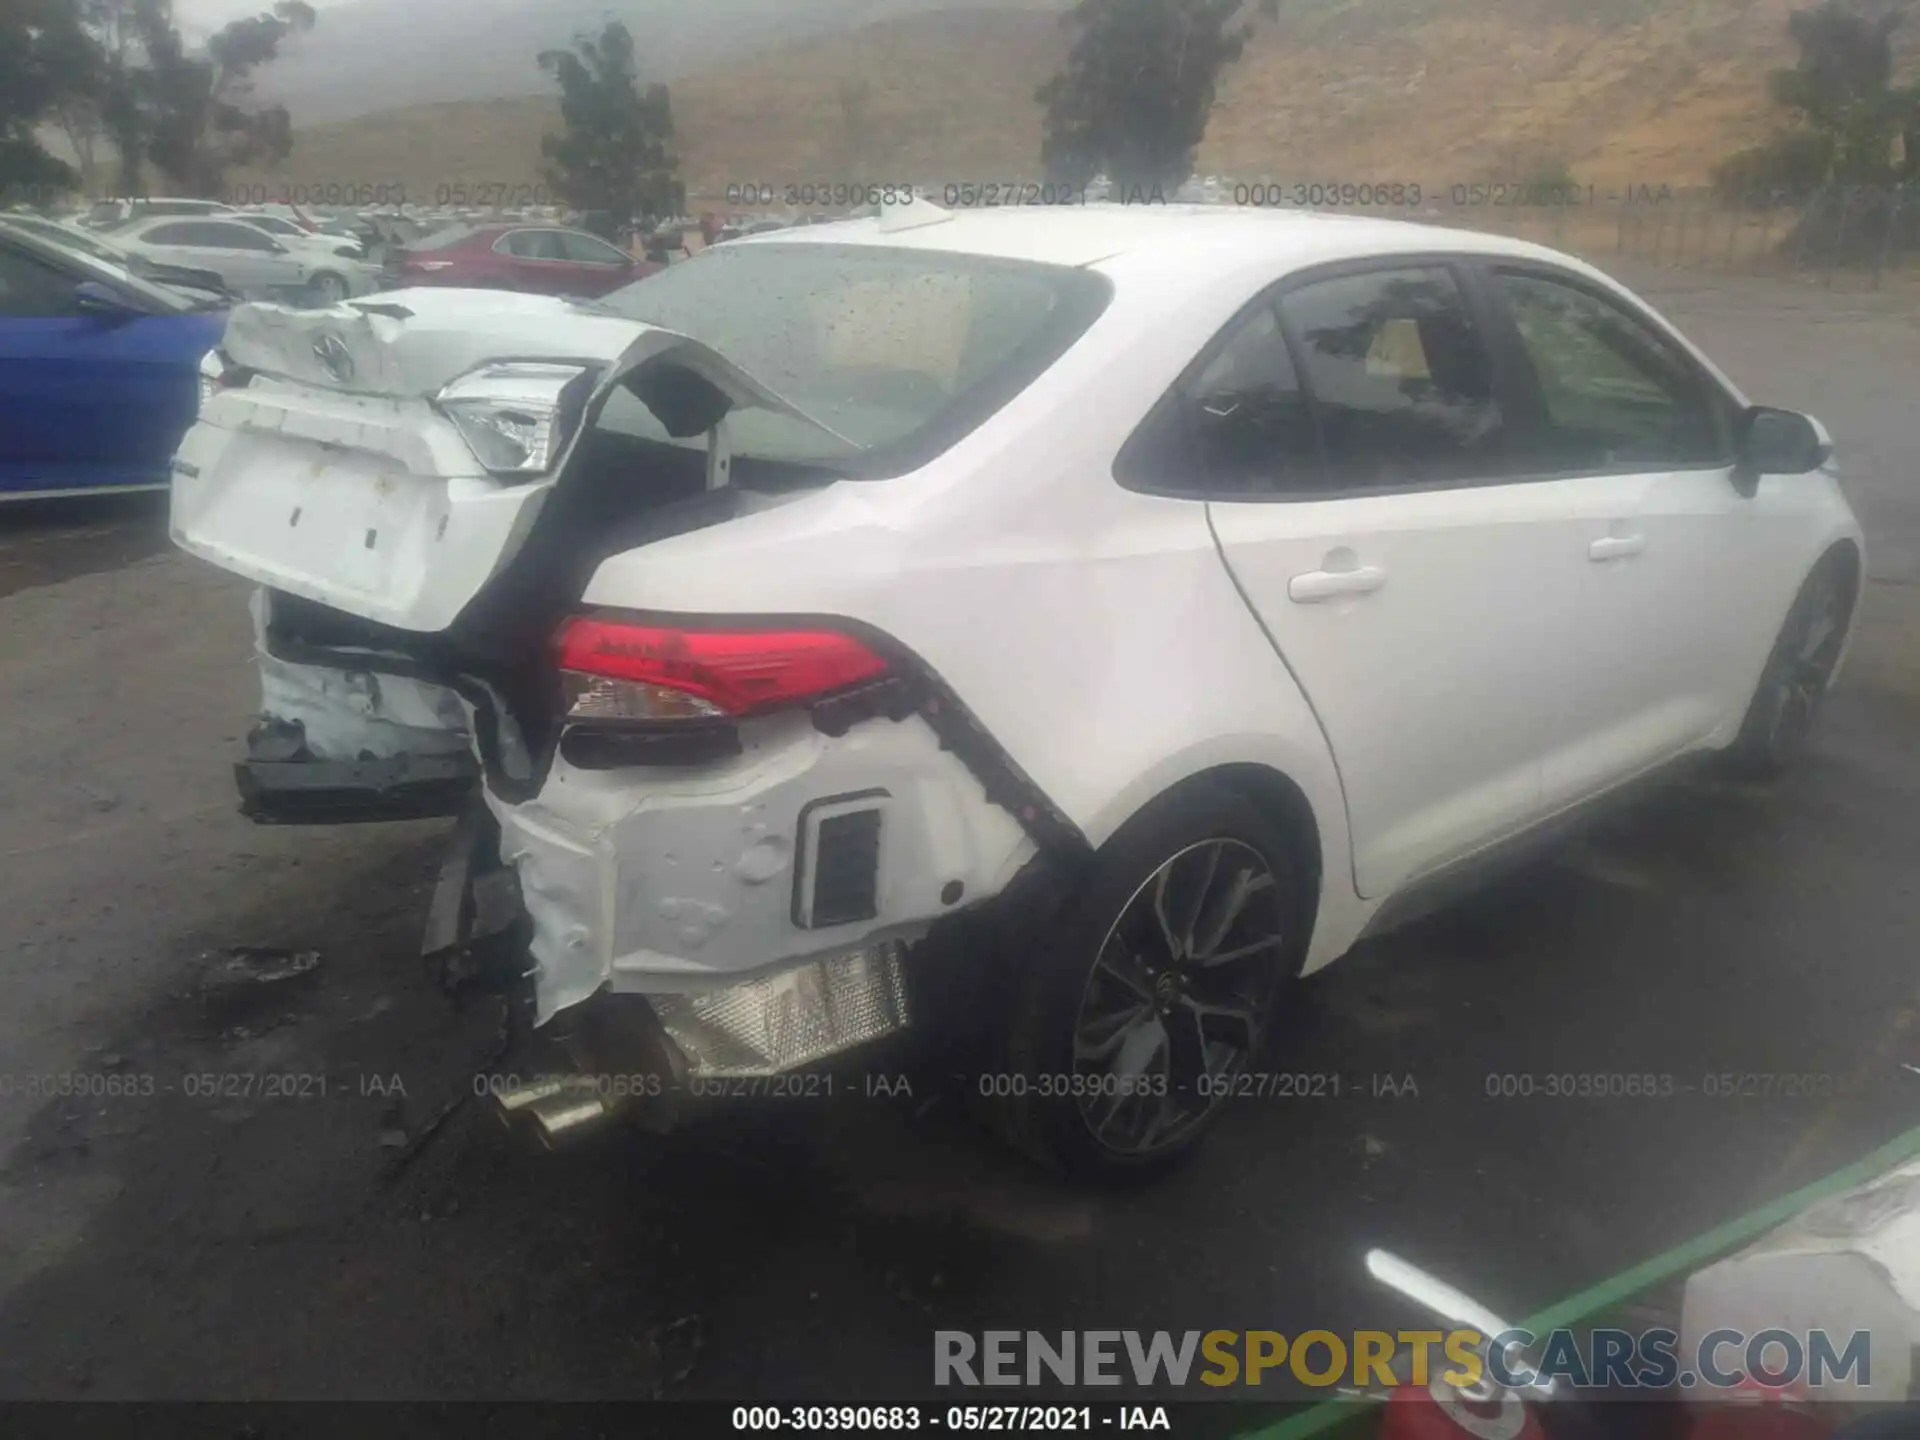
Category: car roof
[141,224]
[501,227]
[1095,234]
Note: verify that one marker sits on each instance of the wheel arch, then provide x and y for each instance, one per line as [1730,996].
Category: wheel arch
[1302,799]
[1277,795]
[1846,552]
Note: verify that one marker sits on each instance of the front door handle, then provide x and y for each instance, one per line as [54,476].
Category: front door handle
[1318,585]
[1616,547]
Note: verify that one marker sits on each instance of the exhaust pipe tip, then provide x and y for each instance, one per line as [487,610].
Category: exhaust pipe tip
[512,1102]
[557,1118]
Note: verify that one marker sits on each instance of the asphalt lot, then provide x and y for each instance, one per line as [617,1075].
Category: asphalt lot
[367,1245]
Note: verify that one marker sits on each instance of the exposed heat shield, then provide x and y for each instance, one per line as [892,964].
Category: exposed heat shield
[791,1019]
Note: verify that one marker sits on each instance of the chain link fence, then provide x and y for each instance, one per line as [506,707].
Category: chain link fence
[1853,236]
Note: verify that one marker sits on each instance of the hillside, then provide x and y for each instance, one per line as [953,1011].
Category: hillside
[1427,91]
[385,54]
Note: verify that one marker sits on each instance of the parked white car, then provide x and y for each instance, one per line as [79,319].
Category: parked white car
[297,237]
[250,261]
[110,213]
[1053,631]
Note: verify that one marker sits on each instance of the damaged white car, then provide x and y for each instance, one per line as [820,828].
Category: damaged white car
[1044,633]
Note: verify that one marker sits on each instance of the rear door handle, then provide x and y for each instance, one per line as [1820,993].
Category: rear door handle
[1318,585]
[1616,547]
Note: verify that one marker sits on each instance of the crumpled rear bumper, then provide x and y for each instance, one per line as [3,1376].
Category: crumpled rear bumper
[337,747]
[706,889]
[761,899]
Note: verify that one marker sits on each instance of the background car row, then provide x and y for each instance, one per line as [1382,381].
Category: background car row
[104,318]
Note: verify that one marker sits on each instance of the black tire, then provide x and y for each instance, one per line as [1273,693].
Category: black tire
[1066,994]
[1780,718]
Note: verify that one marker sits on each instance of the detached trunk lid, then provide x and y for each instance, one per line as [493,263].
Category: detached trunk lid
[331,473]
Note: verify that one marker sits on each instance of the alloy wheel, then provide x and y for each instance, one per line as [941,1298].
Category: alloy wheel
[1804,665]
[1178,997]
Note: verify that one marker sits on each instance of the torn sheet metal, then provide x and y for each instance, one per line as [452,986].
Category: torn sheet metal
[345,715]
[684,883]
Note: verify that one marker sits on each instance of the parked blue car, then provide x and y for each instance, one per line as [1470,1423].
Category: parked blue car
[99,370]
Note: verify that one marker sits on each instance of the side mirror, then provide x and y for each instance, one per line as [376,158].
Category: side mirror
[1780,442]
[103,302]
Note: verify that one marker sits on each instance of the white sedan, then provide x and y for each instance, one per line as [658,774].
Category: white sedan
[249,260]
[296,236]
[1052,631]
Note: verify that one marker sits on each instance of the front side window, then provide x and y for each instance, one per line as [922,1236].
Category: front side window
[1401,382]
[1614,393]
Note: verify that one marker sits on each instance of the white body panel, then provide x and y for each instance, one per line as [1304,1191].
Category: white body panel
[1438,689]
[687,886]
[366,497]
[1099,635]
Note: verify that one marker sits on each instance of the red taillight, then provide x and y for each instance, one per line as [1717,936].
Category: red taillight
[616,670]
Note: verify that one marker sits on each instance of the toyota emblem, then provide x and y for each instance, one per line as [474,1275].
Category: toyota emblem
[335,357]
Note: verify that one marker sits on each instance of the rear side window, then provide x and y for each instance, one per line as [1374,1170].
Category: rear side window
[1400,378]
[1614,394]
[175,235]
[1239,425]
[536,245]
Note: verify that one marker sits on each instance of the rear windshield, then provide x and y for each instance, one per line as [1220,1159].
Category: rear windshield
[144,209]
[899,352]
[441,239]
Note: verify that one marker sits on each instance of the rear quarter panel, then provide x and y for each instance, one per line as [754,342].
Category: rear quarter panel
[1094,632]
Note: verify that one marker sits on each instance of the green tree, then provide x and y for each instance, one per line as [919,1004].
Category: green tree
[199,110]
[1849,123]
[1138,88]
[45,60]
[191,115]
[615,149]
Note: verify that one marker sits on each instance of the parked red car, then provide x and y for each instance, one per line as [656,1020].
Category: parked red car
[541,259]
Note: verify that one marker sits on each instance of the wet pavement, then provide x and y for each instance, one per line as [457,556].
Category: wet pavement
[366,1231]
